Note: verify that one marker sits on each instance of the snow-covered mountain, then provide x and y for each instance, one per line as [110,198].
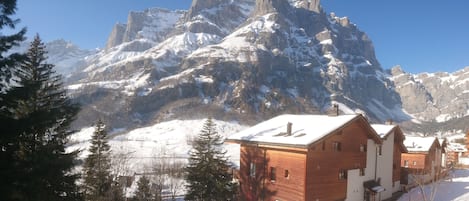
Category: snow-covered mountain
[441,98]
[245,60]
[66,56]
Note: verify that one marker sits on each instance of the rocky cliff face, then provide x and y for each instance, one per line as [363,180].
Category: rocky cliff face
[152,24]
[247,59]
[438,97]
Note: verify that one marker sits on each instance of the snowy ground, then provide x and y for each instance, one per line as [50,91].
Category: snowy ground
[455,189]
[166,139]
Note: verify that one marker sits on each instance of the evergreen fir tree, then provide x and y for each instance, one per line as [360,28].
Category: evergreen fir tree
[97,176]
[116,192]
[8,131]
[143,190]
[8,62]
[208,175]
[40,115]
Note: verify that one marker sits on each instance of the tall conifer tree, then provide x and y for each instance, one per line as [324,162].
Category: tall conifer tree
[8,133]
[97,176]
[143,190]
[208,175]
[41,112]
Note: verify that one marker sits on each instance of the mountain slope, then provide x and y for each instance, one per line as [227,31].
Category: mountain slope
[246,60]
[442,98]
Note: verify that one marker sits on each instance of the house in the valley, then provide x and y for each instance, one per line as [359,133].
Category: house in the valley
[389,157]
[452,153]
[423,160]
[313,158]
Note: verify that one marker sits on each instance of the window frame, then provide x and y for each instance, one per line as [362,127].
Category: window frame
[363,148]
[342,174]
[337,146]
[252,169]
[286,174]
[273,174]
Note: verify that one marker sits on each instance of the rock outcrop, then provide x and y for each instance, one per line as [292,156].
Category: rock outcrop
[438,97]
[152,24]
[117,36]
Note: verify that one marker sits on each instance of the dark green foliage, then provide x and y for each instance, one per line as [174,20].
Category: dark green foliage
[97,176]
[116,192]
[36,117]
[208,175]
[8,62]
[143,190]
[8,125]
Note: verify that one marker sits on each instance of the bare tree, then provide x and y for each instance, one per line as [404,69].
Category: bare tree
[160,165]
[426,184]
[168,174]
[175,177]
[120,166]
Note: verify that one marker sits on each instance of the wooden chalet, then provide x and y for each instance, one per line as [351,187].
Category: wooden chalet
[305,157]
[424,157]
[452,153]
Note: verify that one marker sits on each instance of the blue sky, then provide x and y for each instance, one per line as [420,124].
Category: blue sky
[419,35]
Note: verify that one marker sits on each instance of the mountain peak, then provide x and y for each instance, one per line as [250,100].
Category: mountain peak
[269,6]
[313,5]
[199,5]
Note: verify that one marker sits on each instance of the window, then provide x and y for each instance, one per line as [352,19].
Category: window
[323,145]
[342,174]
[362,171]
[414,163]
[406,163]
[336,146]
[363,148]
[273,173]
[287,174]
[252,169]
[380,150]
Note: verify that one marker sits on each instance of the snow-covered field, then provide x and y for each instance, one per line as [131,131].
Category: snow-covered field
[455,189]
[167,139]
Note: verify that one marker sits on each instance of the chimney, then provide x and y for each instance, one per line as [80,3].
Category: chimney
[289,125]
[334,112]
[389,122]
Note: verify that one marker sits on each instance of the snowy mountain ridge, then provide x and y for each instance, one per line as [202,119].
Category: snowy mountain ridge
[247,60]
[439,97]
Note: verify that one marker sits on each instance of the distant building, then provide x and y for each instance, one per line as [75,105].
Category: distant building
[452,153]
[315,158]
[423,160]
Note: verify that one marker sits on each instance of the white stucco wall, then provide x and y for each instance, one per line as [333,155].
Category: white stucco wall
[385,161]
[355,189]
[383,169]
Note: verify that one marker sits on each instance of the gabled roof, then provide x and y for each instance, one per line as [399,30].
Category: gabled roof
[420,144]
[305,130]
[384,130]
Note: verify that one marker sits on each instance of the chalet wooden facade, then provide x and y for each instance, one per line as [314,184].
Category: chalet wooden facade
[424,157]
[313,158]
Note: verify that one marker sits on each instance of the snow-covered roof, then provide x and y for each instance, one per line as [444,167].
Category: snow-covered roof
[305,129]
[456,147]
[418,144]
[382,129]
